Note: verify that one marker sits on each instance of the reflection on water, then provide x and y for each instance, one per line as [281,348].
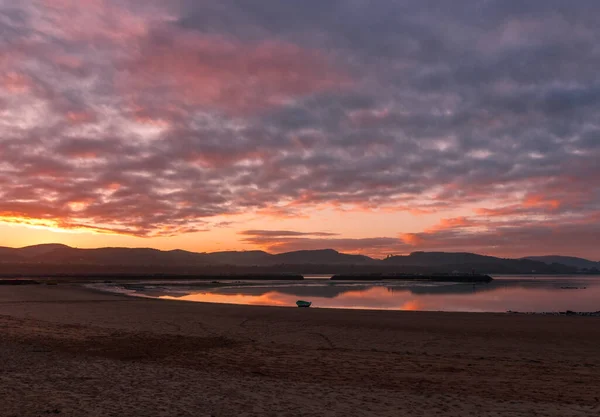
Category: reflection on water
[505,293]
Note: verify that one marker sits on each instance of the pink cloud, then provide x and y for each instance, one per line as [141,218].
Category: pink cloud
[15,82]
[213,71]
[94,21]
[80,117]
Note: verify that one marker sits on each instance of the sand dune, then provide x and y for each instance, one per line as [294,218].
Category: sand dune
[69,351]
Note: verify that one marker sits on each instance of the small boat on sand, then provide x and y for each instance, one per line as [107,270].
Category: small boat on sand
[305,304]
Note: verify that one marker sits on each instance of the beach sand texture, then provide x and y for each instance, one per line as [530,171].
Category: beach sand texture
[70,351]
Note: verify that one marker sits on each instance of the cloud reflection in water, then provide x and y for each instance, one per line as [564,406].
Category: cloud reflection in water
[518,295]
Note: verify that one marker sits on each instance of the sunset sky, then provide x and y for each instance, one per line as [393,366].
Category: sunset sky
[374,127]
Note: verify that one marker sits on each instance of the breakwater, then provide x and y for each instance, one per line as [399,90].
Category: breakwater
[414,277]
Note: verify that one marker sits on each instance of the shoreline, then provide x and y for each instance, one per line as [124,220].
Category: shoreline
[83,292]
[450,278]
[82,352]
[214,285]
[90,286]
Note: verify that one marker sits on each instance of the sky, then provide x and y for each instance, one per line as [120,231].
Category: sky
[369,127]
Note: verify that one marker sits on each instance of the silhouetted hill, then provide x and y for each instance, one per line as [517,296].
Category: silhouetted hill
[580,263]
[255,257]
[439,258]
[465,262]
[127,256]
[321,257]
[28,253]
[61,254]
[10,255]
[57,258]
[39,250]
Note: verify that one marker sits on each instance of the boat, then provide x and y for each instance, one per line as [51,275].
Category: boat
[305,304]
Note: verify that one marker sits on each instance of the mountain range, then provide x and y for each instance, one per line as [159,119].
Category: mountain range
[62,254]
[58,257]
[567,260]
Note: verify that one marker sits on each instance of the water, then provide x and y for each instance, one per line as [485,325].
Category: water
[515,293]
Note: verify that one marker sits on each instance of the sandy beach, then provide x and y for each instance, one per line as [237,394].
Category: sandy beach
[66,350]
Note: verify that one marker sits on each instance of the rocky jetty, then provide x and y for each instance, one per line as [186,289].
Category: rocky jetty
[475,278]
[18,282]
[562,313]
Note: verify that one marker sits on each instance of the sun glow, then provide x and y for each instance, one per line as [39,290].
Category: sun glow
[52,225]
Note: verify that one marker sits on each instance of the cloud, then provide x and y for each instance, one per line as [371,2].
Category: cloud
[216,72]
[504,237]
[150,118]
[288,241]
[510,241]
[281,233]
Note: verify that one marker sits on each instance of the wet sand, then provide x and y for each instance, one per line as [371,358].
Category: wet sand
[69,351]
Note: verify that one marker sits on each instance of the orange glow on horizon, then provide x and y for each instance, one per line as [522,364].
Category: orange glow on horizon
[54,225]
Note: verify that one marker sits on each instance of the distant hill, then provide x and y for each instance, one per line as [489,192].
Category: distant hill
[467,262]
[322,257]
[440,258]
[39,250]
[55,257]
[254,257]
[9,255]
[62,254]
[304,257]
[580,263]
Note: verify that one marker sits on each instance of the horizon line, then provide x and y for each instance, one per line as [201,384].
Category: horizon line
[296,251]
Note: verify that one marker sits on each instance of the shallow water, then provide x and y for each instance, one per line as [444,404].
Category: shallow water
[506,293]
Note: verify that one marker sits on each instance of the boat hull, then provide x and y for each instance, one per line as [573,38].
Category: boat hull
[303,304]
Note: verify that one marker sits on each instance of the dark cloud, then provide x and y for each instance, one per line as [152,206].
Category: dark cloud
[138,118]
